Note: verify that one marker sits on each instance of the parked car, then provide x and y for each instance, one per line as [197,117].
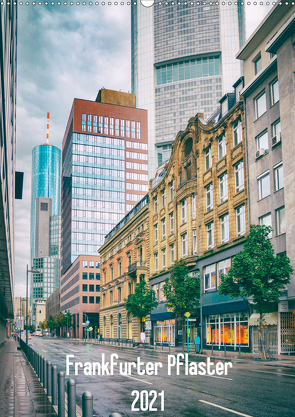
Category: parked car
[39,332]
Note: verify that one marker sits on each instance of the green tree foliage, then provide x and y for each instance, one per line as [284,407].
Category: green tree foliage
[257,273]
[182,291]
[141,302]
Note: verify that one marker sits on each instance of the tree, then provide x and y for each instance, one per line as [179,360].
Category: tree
[141,302]
[50,323]
[182,291]
[257,273]
[41,325]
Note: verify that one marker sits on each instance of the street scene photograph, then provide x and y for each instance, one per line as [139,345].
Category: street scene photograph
[147,209]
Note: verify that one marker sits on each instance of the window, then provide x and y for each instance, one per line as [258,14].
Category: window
[222,268]
[91,288]
[97,276]
[119,294]
[274,92]
[184,244]
[163,198]
[241,220]
[264,185]
[183,210]
[156,261]
[194,208]
[83,122]
[111,297]
[171,190]
[260,105]
[239,176]
[84,287]
[276,128]
[171,223]
[224,107]
[156,204]
[237,132]
[120,269]
[91,275]
[163,228]
[210,278]
[164,258]
[84,299]
[172,253]
[223,188]
[91,264]
[224,224]
[221,147]
[97,300]
[194,242]
[266,221]
[91,300]
[281,223]
[104,277]
[210,235]
[278,177]
[209,197]
[85,275]
[156,232]
[257,65]
[208,159]
[97,288]
[112,273]
[138,130]
[84,264]
[97,264]
[262,141]
[104,300]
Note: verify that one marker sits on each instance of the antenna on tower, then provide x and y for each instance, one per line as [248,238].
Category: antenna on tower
[47,136]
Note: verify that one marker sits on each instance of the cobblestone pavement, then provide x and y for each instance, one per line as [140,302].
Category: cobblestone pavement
[21,394]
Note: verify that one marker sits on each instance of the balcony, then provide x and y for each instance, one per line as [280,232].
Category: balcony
[135,266]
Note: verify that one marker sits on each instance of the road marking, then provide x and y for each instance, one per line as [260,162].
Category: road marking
[219,377]
[274,373]
[76,351]
[226,409]
[141,380]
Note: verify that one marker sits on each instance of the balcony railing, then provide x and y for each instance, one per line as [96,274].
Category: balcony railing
[136,265]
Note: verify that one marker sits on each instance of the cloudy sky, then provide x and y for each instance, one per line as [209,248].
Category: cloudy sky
[66,52]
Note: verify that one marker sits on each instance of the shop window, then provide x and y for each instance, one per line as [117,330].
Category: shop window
[227,329]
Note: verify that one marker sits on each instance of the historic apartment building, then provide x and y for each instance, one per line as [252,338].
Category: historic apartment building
[199,212]
[269,62]
[124,263]
[80,294]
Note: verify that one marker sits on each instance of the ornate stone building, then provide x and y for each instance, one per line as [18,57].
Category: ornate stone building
[123,264]
[198,211]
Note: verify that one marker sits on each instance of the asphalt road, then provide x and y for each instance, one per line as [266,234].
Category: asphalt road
[249,389]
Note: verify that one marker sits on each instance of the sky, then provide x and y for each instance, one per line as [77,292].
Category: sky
[66,52]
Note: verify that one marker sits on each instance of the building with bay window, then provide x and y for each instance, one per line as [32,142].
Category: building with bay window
[269,62]
[198,211]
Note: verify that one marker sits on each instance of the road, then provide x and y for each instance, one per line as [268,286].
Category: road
[249,389]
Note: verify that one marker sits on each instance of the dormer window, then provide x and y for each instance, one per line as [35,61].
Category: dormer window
[224,107]
[238,90]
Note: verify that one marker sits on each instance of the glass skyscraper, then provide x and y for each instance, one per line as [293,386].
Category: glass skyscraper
[183,62]
[104,170]
[45,222]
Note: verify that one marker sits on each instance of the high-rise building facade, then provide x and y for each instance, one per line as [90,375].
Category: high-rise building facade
[183,62]
[45,224]
[104,170]
[8,28]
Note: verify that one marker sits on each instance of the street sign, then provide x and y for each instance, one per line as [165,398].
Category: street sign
[187,314]
[192,319]
[200,324]
[148,325]
[87,323]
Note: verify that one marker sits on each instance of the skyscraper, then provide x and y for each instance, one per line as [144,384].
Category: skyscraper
[183,62]
[45,223]
[104,170]
[8,23]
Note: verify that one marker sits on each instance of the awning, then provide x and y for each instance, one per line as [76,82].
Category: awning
[270,319]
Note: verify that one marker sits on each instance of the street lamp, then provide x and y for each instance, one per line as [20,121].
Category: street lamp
[33,271]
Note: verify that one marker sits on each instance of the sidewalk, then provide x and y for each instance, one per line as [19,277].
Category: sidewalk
[21,394]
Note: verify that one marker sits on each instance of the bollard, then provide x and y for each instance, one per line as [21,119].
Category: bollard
[54,384]
[48,385]
[61,394]
[71,391]
[224,350]
[44,373]
[87,404]
[41,369]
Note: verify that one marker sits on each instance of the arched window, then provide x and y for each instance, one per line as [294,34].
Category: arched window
[129,318]
[104,327]
[112,327]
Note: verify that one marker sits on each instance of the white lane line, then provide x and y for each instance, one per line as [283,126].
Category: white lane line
[273,373]
[141,380]
[219,377]
[226,409]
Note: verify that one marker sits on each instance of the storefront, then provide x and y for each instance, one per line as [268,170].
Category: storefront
[164,332]
[231,329]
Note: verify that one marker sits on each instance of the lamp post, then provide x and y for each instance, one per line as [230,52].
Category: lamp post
[32,271]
